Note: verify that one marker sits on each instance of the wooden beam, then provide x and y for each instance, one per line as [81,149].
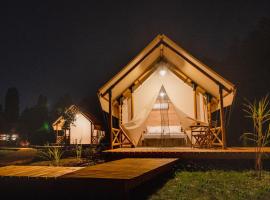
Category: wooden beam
[121,110]
[208,96]
[194,65]
[133,67]
[132,102]
[222,123]
[195,101]
[91,140]
[110,118]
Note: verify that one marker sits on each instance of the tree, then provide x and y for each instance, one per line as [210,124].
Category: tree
[60,106]
[34,123]
[12,105]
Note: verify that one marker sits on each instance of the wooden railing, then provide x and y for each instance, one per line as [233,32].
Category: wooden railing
[119,138]
[205,136]
[60,139]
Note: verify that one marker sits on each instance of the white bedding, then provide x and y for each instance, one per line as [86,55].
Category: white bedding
[170,132]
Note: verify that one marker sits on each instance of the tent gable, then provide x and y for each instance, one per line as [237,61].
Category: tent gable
[164,48]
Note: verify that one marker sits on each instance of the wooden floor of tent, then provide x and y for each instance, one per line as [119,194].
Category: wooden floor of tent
[187,152]
[114,178]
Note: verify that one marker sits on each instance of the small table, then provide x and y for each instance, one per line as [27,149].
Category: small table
[201,135]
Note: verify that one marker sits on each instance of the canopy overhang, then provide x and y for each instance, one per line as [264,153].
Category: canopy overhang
[193,70]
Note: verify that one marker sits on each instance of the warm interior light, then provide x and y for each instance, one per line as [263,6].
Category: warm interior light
[162,72]
[162,94]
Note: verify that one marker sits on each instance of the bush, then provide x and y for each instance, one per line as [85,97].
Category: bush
[52,153]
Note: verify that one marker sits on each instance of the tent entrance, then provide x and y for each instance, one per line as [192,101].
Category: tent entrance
[162,126]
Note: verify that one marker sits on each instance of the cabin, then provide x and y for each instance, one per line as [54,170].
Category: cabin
[85,128]
[165,97]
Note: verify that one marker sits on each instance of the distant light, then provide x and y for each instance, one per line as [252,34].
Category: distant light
[162,72]
[77,115]
[162,94]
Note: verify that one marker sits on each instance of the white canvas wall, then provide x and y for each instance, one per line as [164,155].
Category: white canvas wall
[81,130]
[144,97]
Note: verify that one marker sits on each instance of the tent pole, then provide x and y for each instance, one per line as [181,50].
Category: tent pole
[195,101]
[91,140]
[110,118]
[209,110]
[132,103]
[222,124]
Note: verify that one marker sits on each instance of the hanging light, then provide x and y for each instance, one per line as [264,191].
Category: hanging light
[162,72]
[162,94]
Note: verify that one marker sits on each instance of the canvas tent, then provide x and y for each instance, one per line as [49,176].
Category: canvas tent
[85,129]
[187,81]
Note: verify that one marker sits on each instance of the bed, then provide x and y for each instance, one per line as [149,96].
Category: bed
[169,136]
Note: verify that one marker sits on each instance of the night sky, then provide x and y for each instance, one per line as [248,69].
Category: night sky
[74,47]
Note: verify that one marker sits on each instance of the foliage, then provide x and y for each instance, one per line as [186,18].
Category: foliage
[259,112]
[61,105]
[12,105]
[52,153]
[214,185]
[78,149]
[69,117]
[91,153]
[34,123]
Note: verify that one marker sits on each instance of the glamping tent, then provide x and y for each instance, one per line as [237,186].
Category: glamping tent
[165,93]
[84,130]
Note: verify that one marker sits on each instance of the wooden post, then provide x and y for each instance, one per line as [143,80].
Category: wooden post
[209,110]
[222,123]
[121,110]
[132,106]
[195,101]
[91,139]
[110,118]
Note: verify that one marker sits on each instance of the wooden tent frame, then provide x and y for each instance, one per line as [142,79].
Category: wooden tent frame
[118,136]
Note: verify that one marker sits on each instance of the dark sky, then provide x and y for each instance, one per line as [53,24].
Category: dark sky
[74,47]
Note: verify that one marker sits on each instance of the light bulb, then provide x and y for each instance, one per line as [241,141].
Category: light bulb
[162,72]
[162,94]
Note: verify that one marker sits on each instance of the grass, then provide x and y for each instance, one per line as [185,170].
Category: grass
[4,152]
[215,184]
[18,156]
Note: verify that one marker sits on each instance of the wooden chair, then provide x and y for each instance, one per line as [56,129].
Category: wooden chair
[201,135]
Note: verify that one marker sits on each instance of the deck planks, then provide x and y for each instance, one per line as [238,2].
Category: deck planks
[36,171]
[124,169]
[187,152]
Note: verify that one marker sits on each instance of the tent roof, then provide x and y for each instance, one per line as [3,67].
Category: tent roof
[59,121]
[163,47]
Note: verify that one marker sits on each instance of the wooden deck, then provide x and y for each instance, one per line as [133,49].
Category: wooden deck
[129,172]
[111,179]
[187,152]
[36,171]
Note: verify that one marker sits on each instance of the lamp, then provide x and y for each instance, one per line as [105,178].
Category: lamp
[162,71]
[162,94]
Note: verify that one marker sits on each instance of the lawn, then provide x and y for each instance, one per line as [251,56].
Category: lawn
[215,184]
[14,156]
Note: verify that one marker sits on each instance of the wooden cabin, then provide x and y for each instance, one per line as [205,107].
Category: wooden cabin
[166,97]
[85,129]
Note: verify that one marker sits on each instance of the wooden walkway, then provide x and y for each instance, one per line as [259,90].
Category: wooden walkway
[187,152]
[110,179]
[36,171]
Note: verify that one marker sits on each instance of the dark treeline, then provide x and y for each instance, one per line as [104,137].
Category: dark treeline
[33,123]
